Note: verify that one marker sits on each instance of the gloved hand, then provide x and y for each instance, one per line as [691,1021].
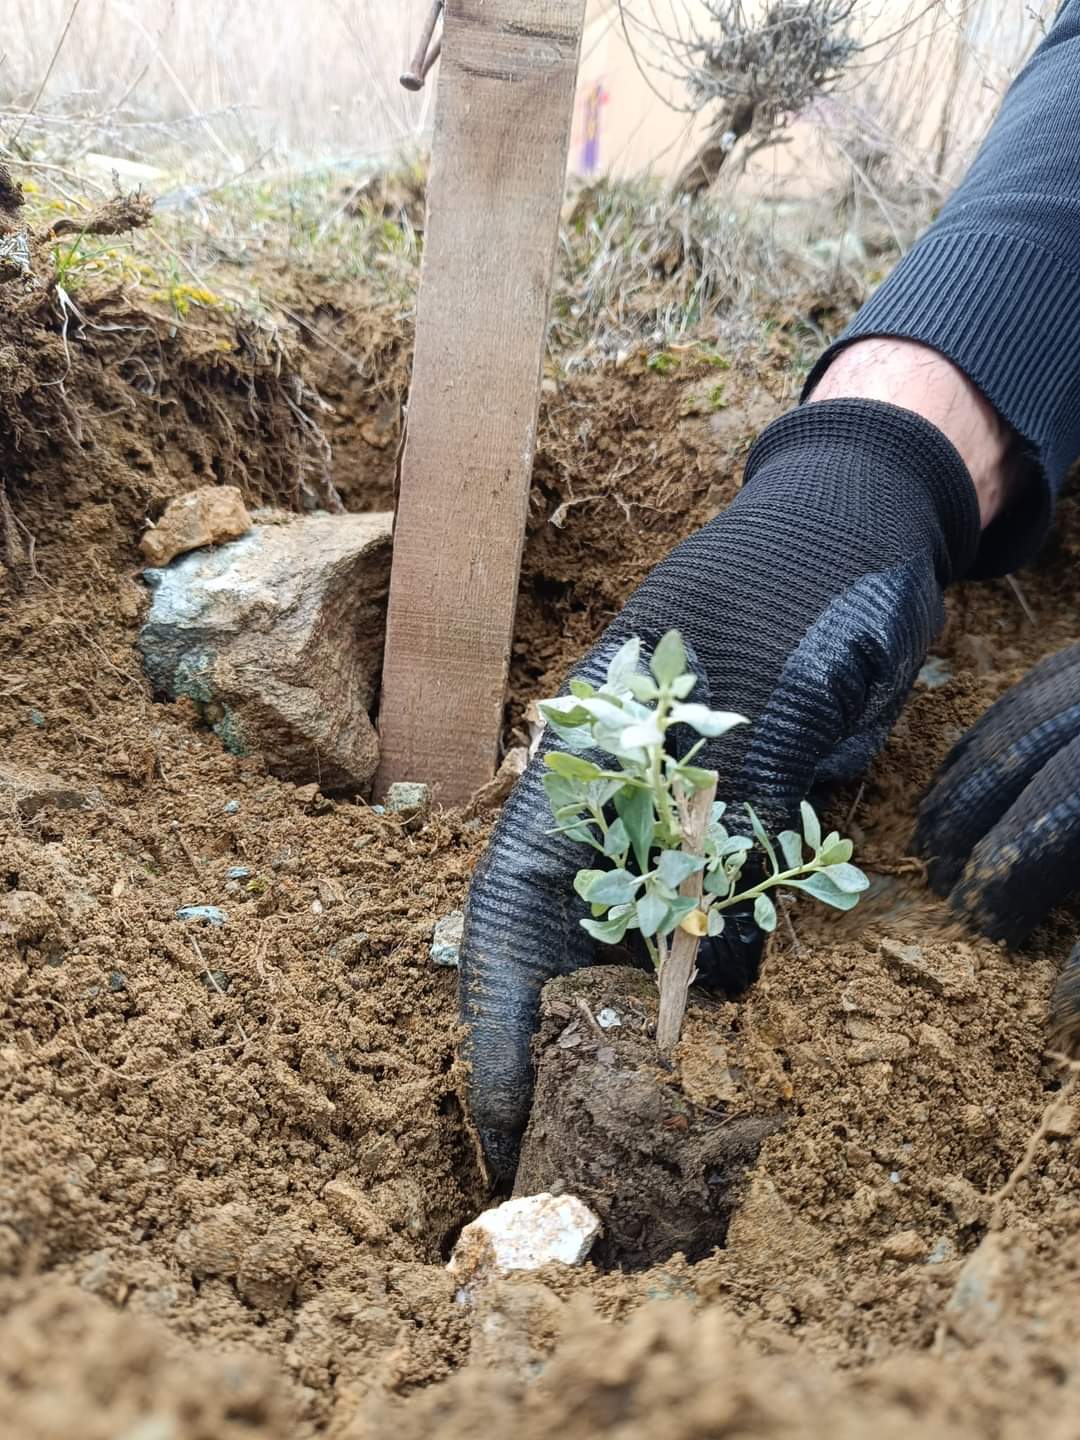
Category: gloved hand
[1001,825]
[807,606]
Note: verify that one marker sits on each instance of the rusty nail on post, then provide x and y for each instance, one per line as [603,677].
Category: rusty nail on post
[426,54]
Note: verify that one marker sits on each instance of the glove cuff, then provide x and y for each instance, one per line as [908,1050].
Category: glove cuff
[866,455]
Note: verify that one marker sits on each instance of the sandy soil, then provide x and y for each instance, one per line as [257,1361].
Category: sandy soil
[233,1161]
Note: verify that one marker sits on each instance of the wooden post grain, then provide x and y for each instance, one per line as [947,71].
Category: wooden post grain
[502,128]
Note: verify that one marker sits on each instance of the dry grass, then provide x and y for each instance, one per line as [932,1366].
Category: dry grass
[234,81]
[264,122]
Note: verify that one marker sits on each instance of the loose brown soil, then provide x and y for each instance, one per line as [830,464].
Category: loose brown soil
[233,1159]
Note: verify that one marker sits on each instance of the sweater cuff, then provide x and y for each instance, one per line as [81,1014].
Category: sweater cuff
[872,443]
[1007,313]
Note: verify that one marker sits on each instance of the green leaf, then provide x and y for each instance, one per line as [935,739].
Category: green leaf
[790,842]
[765,914]
[837,853]
[634,806]
[562,792]
[717,882]
[608,932]
[762,838]
[716,922]
[605,710]
[669,658]
[573,767]
[576,738]
[848,878]
[584,879]
[811,826]
[581,689]
[695,777]
[617,839]
[677,908]
[564,711]
[579,832]
[641,735]
[705,721]
[642,688]
[675,865]
[651,912]
[683,685]
[821,887]
[624,663]
[612,887]
[735,845]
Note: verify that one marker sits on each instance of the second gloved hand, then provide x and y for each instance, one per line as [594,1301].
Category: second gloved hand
[808,606]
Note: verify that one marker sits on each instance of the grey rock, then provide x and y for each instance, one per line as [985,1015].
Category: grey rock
[408,797]
[446,943]
[117,981]
[206,914]
[239,872]
[32,790]
[231,807]
[278,638]
[943,1251]
[935,673]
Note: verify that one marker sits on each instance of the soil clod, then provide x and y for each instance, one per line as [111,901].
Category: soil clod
[611,1124]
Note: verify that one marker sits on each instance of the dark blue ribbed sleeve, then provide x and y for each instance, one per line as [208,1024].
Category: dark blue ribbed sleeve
[994,284]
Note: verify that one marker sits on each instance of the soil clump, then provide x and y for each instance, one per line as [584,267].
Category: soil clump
[613,1126]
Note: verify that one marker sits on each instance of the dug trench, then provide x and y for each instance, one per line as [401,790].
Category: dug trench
[233,1158]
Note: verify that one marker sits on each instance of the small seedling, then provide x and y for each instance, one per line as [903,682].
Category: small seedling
[671,866]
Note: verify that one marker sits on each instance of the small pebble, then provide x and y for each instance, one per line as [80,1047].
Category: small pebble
[216,980]
[117,981]
[935,673]
[239,872]
[905,1245]
[378,809]
[944,1250]
[608,1019]
[231,807]
[446,942]
[408,797]
[37,718]
[209,914]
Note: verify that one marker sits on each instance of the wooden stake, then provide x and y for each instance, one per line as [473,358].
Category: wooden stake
[678,969]
[502,128]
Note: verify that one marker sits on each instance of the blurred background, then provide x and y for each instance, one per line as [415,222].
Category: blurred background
[744,164]
[265,82]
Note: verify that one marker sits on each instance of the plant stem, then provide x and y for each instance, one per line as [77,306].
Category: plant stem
[679,968]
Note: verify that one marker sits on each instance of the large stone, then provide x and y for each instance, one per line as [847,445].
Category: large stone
[30,790]
[278,638]
[210,515]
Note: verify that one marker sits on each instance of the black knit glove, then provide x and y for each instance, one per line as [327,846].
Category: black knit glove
[808,606]
[1001,825]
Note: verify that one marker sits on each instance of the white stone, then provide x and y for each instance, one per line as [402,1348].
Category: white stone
[524,1234]
[446,941]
